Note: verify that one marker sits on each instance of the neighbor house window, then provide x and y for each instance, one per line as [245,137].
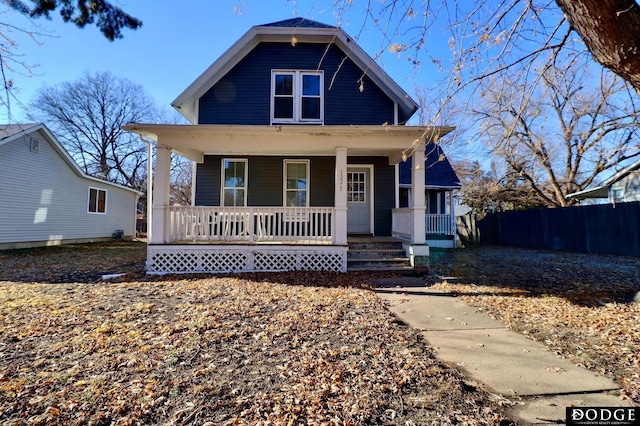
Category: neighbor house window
[97,200]
[296,183]
[234,182]
[297,97]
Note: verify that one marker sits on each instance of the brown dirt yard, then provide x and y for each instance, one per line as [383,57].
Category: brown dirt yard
[284,348]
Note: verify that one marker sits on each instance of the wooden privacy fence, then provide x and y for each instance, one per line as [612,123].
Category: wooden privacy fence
[604,229]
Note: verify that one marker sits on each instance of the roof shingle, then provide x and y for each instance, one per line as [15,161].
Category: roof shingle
[297,23]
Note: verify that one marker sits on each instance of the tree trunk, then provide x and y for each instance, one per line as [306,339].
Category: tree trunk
[611,31]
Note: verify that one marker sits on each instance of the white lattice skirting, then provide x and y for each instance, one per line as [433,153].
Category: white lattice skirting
[213,259]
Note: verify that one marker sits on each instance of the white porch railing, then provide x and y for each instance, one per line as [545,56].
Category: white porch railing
[401,222]
[442,224]
[251,224]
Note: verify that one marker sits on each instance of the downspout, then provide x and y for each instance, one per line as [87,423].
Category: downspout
[194,169]
[395,113]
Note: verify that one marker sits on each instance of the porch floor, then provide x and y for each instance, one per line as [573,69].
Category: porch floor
[245,243]
[358,239]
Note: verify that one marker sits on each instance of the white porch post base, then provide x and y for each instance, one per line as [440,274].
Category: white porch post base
[418,255]
[340,234]
[418,225]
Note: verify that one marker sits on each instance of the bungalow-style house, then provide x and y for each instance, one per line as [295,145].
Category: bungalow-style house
[622,187]
[297,135]
[440,183]
[46,199]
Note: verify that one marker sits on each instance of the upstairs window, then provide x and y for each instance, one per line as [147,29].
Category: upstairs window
[297,97]
[97,201]
[234,182]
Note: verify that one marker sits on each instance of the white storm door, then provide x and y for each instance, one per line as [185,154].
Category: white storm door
[359,200]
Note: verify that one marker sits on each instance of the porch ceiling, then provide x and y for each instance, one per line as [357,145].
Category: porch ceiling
[196,141]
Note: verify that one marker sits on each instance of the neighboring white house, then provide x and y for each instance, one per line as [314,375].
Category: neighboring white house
[46,199]
[622,187]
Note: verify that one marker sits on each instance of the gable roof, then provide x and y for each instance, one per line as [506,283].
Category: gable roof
[602,191]
[304,30]
[298,23]
[12,132]
[439,173]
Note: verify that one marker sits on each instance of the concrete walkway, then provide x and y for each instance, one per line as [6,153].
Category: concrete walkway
[526,372]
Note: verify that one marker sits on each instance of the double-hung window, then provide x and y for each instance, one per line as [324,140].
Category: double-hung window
[296,183]
[97,201]
[234,182]
[297,97]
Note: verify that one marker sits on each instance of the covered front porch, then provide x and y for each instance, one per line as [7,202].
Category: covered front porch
[218,238]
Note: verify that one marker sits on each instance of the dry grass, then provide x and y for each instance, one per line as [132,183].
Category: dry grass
[581,306]
[296,348]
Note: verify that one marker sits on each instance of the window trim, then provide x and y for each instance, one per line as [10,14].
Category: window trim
[98,191]
[286,162]
[365,192]
[297,96]
[246,180]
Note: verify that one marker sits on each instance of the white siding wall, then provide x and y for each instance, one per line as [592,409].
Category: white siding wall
[626,189]
[43,199]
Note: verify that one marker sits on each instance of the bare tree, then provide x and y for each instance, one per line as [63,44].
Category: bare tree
[493,190]
[487,37]
[611,31]
[560,139]
[109,19]
[181,179]
[87,116]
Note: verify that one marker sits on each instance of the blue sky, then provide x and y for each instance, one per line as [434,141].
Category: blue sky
[177,42]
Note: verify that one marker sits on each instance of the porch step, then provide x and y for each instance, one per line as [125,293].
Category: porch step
[377,255]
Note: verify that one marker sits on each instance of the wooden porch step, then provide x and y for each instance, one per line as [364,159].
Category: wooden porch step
[385,255]
[376,253]
[378,268]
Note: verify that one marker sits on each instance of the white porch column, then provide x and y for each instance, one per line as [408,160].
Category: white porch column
[418,205]
[161,220]
[452,201]
[340,203]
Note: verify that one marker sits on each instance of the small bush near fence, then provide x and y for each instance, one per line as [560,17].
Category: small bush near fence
[604,228]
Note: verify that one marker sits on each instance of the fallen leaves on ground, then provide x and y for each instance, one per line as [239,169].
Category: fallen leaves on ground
[279,349]
[82,263]
[580,305]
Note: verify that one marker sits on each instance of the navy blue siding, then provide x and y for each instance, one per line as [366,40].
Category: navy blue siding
[265,184]
[208,182]
[438,170]
[265,181]
[243,95]
[384,191]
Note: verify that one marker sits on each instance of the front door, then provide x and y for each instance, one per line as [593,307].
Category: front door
[359,200]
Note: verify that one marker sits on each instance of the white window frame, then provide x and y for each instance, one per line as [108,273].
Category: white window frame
[351,191]
[246,179]
[284,181]
[297,96]
[97,203]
